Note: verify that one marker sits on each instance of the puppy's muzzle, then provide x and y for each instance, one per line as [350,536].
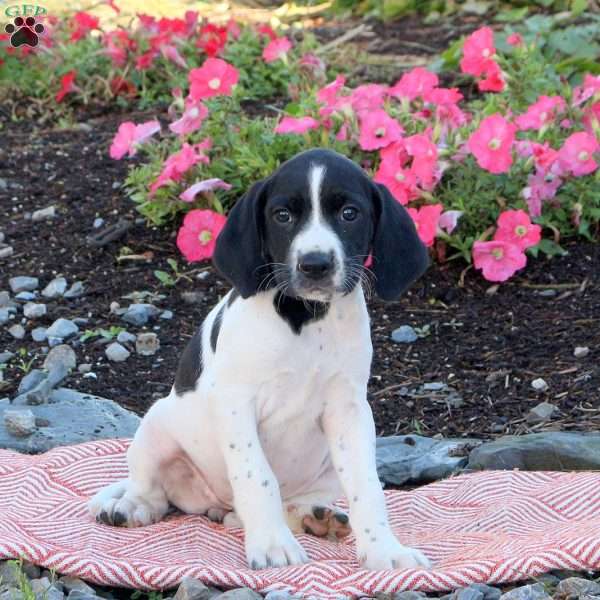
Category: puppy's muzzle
[316,266]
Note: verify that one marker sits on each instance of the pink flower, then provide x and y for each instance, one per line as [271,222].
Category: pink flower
[493,81]
[590,87]
[179,163]
[543,155]
[208,185]
[198,234]
[415,83]
[498,260]
[276,49]
[577,154]
[171,53]
[442,96]
[296,125]
[449,220]
[426,221]
[144,61]
[312,63]
[400,181]
[514,39]
[541,186]
[478,52]
[541,112]
[214,78]
[424,153]
[515,227]
[328,94]
[194,114]
[212,39]
[378,130]
[266,30]
[492,142]
[591,120]
[130,136]
[368,97]
[83,23]
[67,85]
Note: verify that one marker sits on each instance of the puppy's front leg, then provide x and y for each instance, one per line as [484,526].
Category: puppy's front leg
[350,431]
[256,496]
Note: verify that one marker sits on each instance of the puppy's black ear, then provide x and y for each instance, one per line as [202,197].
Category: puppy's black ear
[238,252]
[399,256]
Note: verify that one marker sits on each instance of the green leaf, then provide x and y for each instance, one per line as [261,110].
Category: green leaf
[512,16]
[164,278]
[172,263]
[578,7]
[549,248]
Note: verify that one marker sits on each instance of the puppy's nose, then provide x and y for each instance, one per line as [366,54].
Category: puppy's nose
[315,265]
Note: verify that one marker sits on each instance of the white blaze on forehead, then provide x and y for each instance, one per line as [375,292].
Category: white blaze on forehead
[316,174]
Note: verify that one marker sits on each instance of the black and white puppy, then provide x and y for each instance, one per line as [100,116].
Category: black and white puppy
[268,422]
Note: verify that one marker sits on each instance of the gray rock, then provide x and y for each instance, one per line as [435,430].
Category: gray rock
[192,297]
[192,589]
[75,291]
[32,571]
[98,222]
[5,357]
[6,251]
[539,385]
[34,311]
[581,351]
[62,328]
[72,418]
[535,591]
[44,213]
[577,586]
[39,334]
[547,451]
[125,337]
[17,331]
[84,368]
[53,340]
[77,595]
[147,344]
[5,300]
[489,592]
[408,595]
[541,413]
[71,584]
[4,316]
[31,381]
[166,315]
[413,458]
[11,593]
[117,353]
[468,593]
[44,589]
[42,390]
[279,595]
[26,296]
[140,314]
[19,422]
[62,356]
[405,334]
[240,594]
[8,574]
[23,284]
[56,288]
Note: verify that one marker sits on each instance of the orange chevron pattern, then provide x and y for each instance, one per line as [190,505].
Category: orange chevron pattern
[487,527]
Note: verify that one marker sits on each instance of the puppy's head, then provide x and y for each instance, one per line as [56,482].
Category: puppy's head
[309,227]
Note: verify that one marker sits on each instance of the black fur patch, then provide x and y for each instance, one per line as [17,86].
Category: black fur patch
[297,312]
[190,365]
[216,327]
[233,296]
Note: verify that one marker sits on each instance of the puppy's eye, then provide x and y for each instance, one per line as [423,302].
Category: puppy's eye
[349,213]
[283,216]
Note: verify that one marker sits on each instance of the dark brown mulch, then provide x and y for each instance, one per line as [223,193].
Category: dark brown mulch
[487,348]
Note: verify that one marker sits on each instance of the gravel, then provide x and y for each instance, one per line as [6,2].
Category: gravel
[34,311]
[405,334]
[55,289]
[19,422]
[62,329]
[44,213]
[62,356]
[17,331]
[147,344]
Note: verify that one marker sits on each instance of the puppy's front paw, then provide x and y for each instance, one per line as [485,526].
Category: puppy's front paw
[273,547]
[391,554]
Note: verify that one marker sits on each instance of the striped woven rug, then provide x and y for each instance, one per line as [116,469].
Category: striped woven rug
[488,527]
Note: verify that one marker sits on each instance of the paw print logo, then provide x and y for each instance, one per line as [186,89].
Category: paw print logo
[24,32]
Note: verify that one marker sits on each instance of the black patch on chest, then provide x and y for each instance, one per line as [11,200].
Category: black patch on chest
[190,365]
[298,313]
[233,296]
[216,327]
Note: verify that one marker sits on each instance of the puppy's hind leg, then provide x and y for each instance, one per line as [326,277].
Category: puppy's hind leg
[140,499]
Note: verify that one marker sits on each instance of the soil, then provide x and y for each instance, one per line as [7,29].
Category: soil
[485,344]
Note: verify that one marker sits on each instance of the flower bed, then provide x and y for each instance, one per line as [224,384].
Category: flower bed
[493,180]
